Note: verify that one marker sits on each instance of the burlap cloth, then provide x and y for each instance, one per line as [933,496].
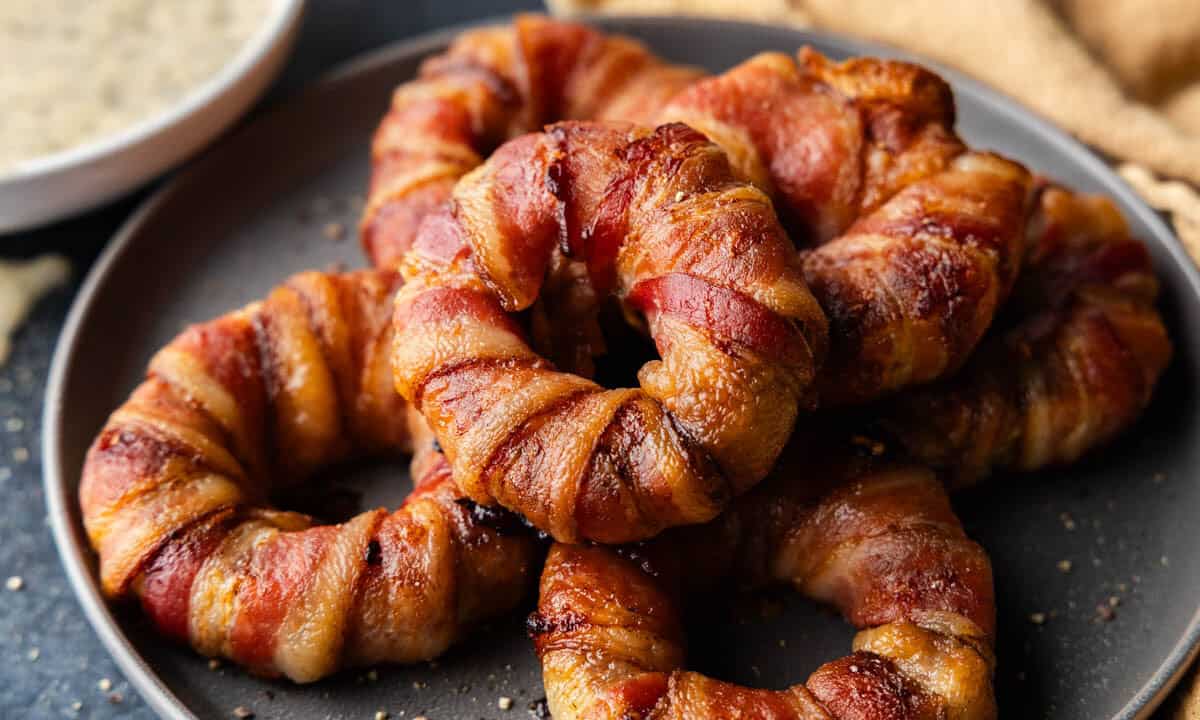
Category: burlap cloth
[1122,75]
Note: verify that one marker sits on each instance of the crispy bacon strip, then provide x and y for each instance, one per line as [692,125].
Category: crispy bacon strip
[1073,364]
[831,141]
[919,240]
[910,289]
[493,84]
[660,222]
[174,494]
[879,542]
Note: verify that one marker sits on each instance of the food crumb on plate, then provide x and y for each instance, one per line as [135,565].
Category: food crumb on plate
[539,709]
[334,230]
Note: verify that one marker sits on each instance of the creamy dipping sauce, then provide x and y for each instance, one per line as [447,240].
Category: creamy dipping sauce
[75,71]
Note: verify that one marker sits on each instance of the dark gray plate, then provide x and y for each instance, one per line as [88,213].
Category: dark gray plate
[251,212]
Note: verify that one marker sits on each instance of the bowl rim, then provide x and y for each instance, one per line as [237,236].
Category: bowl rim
[74,550]
[282,16]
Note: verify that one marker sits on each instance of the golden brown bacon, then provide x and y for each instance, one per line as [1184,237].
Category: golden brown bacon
[880,543]
[491,85]
[660,222]
[174,494]
[831,141]
[919,239]
[911,288]
[1073,364]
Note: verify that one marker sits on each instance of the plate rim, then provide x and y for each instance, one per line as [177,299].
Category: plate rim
[73,549]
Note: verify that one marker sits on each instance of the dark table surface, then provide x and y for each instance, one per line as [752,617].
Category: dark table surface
[51,663]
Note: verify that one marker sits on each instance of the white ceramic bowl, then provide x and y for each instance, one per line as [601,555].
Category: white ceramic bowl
[56,186]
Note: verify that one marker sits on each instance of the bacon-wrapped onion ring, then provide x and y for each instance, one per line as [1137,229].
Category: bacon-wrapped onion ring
[880,543]
[174,494]
[661,223]
[919,240]
[1073,362]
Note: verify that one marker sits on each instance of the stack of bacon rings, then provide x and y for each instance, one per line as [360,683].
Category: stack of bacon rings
[792,235]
